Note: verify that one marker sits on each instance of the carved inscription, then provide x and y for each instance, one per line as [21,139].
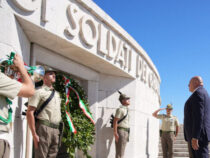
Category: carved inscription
[95,34]
[73,28]
[146,75]
[88,31]
[27,5]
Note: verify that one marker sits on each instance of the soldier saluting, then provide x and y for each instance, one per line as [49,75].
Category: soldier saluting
[169,130]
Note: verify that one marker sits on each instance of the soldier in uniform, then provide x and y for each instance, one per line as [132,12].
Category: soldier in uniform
[121,125]
[11,88]
[45,130]
[169,130]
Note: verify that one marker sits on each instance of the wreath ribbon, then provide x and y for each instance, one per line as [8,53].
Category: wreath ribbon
[81,104]
[9,119]
[68,117]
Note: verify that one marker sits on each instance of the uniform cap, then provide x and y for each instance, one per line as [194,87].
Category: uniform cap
[49,69]
[169,106]
[123,96]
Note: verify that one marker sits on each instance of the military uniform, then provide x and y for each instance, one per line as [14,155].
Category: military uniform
[169,124]
[47,125]
[8,88]
[123,131]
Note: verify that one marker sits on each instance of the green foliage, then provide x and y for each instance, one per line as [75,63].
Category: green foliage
[84,137]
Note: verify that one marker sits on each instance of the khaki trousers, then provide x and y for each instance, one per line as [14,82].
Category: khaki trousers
[48,141]
[4,149]
[167,141]
[121,144]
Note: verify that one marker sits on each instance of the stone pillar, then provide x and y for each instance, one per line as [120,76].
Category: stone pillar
[12,39]
[91,88]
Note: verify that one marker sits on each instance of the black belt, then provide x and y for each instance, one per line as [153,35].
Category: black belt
[168,131]
[123,128]
[49,124]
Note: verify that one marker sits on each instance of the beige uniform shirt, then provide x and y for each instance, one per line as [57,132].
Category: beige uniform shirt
[52,111]
[120,113]
[8,88]
[169,123]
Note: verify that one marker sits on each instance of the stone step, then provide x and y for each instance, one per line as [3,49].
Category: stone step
[176,149]
[178,154]
[181,150]
[180,146]
[177,146]
[179,141]
[180,136]
[174,157]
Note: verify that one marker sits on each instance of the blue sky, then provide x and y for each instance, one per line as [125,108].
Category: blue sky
[176,36]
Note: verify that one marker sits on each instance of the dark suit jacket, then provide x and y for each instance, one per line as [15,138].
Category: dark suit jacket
[197,116]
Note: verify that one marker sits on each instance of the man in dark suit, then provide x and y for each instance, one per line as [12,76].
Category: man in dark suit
[197,119]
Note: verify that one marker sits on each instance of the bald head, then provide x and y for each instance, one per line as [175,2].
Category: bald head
[195,82]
